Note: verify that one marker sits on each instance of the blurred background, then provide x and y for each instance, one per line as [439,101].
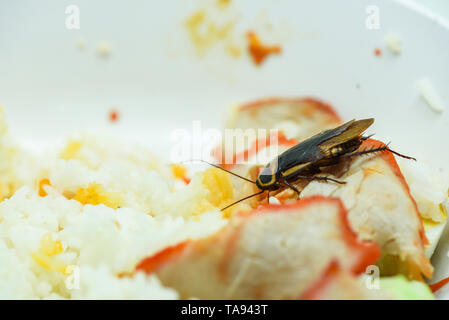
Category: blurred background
[145,68]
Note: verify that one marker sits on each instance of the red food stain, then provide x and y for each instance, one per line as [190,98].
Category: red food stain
[156,261]
[367,252]
[377,52]
[437,286]
[329,275]
[114,115]
[258,51]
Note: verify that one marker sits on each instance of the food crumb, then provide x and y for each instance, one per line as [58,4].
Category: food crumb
[258,51]
[180,172]
[104,49]
[204,33]
[274,200]
[114,115]
[394,43]
[80,44]
[42,183]
[430,95]
[377,52]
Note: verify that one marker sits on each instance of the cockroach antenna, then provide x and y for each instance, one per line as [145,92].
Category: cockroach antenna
[253,195]
[367,137]
[230,172]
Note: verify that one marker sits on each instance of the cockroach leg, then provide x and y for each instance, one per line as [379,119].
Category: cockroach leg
[292,187]
[401,155]
[384,148]
[359,153]
[321,178]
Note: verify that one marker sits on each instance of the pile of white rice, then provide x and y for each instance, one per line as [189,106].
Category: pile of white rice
[52,247]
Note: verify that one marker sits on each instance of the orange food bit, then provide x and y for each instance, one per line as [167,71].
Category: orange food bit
[180,172]
[42,183]
[114,116]
[259,52]
[437,286]
[377,52]
[154,262]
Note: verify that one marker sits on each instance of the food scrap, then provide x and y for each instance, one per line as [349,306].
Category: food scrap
[104,49]
[259,51]
[377,52]
[80,44]
[438,285]
[205,33]
[95,194]
[430,95]
[394,43]
[114,115]
[42,183]
[180,172]
[45,256]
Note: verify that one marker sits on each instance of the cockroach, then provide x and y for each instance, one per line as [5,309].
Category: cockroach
[305,159]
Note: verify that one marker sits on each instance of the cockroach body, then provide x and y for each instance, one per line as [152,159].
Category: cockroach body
[304,160]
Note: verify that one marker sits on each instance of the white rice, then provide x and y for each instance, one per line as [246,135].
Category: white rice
[99,243]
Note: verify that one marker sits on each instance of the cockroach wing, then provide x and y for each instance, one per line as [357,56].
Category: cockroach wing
[309,150]
[274,252]
[352,129]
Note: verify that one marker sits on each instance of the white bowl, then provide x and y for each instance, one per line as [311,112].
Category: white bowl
[158,82]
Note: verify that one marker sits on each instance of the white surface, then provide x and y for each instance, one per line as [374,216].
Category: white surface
[440,7]
[153,76]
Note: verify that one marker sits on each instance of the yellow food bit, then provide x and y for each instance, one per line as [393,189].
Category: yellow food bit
[71,150]
[443,211]
[223,3]
[42,183]
[45,256]
[233,50]
[429,223]
[221,190]
[49,263]
[50,247]
[95,194]
[203,206]
[205,34]
[5,191]
[178,171]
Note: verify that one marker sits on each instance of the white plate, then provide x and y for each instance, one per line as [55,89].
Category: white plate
[158,83]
